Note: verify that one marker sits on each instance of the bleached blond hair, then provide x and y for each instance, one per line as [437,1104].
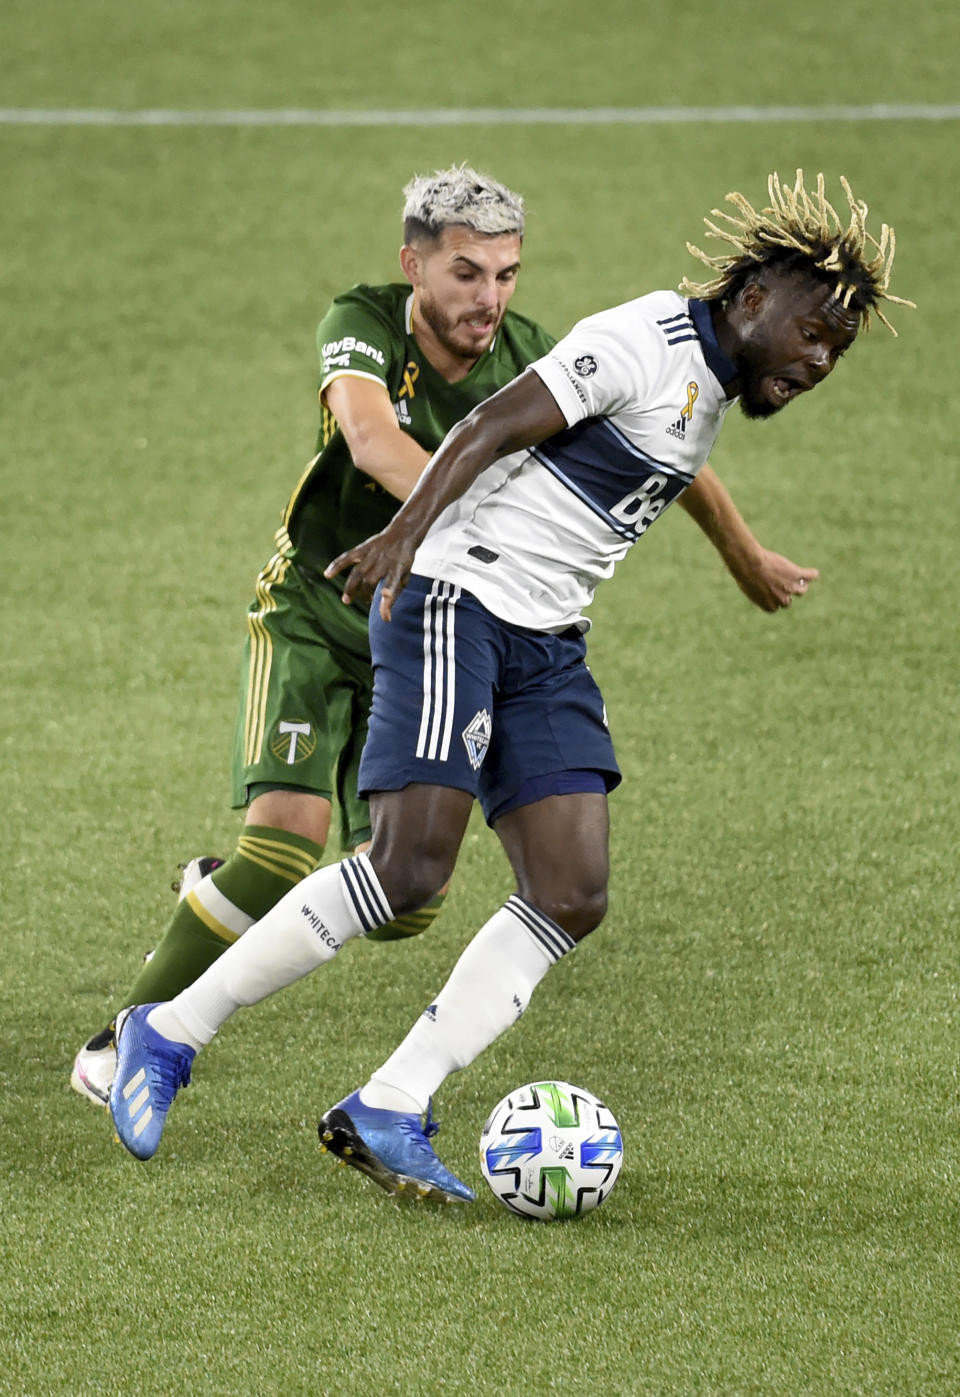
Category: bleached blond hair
[801,231]
[460,197]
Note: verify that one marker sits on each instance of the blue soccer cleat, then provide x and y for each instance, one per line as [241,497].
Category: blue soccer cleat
[392,1148]
[151,1069]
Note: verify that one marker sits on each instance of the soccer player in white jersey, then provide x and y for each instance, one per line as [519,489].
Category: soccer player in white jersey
[481,690]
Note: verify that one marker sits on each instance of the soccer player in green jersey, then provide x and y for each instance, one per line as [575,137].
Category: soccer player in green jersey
[400,365]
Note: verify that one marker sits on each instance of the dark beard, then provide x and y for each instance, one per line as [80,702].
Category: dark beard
[441,327]
[752,402]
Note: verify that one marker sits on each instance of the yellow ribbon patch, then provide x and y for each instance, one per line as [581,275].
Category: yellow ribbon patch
[410,375]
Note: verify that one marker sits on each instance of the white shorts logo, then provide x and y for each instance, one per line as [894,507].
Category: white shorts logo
[476,738]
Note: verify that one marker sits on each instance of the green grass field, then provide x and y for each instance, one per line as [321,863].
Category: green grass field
[771,1006]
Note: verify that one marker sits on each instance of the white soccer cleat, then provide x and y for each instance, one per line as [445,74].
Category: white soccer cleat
[191,873]
[94,1067]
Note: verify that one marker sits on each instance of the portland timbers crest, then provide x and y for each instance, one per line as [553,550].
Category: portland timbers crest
[476,738]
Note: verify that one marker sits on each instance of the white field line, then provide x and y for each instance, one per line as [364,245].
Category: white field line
[474,116]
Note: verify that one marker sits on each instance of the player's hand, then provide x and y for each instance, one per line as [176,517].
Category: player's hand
[771,581]
[384,558]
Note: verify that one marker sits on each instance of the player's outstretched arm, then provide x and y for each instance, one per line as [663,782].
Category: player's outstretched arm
[377,444]
[768,579]
[520,415]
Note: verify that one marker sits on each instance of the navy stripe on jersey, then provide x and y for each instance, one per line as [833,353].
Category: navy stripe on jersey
[439,671]
[542,928]
[614,478]
[364,893]
[678,328]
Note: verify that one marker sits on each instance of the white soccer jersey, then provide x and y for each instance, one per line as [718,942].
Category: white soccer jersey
[641,389]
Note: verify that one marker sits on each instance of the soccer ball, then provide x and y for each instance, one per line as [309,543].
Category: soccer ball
[550,1150]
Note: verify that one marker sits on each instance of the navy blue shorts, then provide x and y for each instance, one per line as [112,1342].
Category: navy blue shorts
[463,699]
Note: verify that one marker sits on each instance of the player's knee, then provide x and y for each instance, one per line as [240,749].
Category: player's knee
[578,910]
[409,883]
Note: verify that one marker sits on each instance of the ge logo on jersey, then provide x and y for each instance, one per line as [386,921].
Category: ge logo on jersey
[586,365]
[476,738]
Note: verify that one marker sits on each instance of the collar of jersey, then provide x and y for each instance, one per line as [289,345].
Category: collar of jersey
[722,368]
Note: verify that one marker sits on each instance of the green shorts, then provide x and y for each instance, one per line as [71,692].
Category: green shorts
[305,694]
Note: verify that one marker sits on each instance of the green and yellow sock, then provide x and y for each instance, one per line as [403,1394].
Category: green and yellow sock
[265,864]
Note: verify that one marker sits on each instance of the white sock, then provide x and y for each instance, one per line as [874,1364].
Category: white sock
[489,989]
[306,928]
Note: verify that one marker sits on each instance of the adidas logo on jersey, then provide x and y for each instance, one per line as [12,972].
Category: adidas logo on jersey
[679,428]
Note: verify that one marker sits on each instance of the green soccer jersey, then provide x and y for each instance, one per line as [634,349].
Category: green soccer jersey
[367,331]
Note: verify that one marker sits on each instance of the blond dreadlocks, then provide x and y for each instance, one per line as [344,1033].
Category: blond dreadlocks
[801,231]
